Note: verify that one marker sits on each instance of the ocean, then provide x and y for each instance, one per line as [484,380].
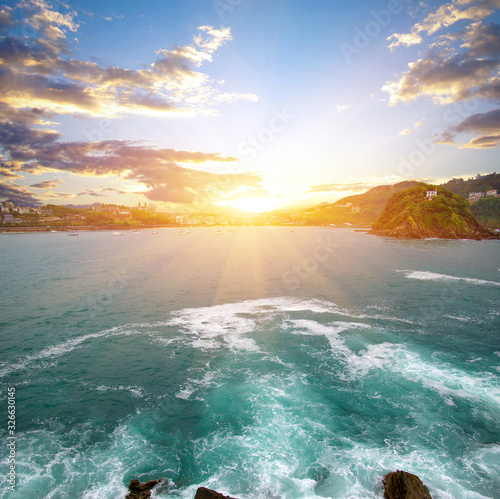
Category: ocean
[259,362]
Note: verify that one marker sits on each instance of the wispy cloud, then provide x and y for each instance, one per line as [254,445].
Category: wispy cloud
[48,184]
[408,131]
[343,107]
[336,187]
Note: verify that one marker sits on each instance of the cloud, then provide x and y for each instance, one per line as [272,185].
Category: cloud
[41,78]
[58,195]
[6,18]
[91,192]
[112,189]
[357,187]
[487,124]
[446,15]
[48,184]
[18,195]
[344,107]
[460,65]
[159,170]
[446,80]
[463,65]
[41,71]
[484,142]
[112,17]
[408,131]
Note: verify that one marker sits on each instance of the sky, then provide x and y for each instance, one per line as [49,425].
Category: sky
[194,105]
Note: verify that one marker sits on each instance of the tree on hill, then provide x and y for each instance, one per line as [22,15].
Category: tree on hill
[371,203]
[483,184]
[487,211]
[412,214]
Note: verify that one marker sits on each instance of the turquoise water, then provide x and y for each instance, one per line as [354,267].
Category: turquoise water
[264,363]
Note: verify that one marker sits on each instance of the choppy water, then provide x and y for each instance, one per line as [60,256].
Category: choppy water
[264,363]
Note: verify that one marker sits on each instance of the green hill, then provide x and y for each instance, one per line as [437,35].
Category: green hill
[410,214]
[487,211]
[465,187]
[359,209]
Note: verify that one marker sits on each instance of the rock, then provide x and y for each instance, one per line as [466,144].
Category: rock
[204,493]
[403,485]
[140,490]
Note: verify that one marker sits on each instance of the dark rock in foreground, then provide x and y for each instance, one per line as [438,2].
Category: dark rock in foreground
[203,493]
[140,490]
[403,485]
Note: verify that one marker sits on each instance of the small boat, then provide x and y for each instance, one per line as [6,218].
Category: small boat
[117,234]
[72,233]
[154,231]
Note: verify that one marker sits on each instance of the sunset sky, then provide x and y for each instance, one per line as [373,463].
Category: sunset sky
[251,104]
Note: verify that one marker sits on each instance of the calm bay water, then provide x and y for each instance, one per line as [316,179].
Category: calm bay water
[264,363]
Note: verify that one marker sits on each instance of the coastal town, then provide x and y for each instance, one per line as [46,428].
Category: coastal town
[114,217]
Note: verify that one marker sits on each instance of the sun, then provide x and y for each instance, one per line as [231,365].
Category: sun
[254,205]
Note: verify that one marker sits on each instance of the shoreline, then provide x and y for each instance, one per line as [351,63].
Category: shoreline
[36,230]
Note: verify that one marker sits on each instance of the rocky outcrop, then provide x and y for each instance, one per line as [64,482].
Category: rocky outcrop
[404,485]
[204,493]
[140,490]
[413,214]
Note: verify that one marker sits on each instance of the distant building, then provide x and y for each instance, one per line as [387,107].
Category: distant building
[355,209]
[105,208]
[187,220]
[479,176]
[493,192]
[475,196]
[431,194]
[10,219]
[24,210]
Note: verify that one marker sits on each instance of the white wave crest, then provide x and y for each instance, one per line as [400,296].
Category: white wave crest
[424,275]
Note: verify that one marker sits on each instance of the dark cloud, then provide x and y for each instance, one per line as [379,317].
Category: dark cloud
[16,135]
[48,184]
[482,40]
[6,19]
[482,122]
[445,79]
[18,195]
[34,150]
[487,124]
